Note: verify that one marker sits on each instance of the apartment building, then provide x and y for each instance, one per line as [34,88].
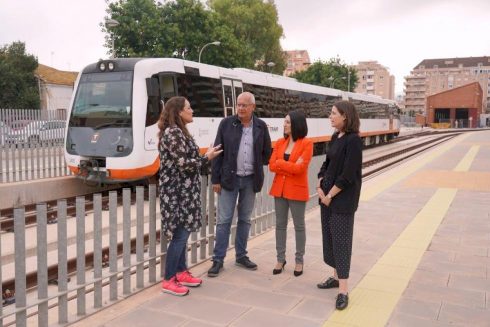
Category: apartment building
[375,79]
[433,76]
[297,60]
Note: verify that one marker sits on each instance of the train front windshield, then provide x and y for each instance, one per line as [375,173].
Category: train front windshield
[103,100]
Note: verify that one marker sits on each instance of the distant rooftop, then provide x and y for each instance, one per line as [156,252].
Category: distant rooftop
[454,62]
[51,75]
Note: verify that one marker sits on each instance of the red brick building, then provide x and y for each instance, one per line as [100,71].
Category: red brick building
[458,107]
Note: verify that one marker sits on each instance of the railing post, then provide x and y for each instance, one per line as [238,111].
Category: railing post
[80,210]
[152,230]
[127,241]
[140,226]
[62,263]
[113,244]
[97,250]
[42,263]
[20,266]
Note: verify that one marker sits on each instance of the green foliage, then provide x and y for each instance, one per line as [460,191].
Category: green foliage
[18,85]
[255,24]
[182,27]
[331,73]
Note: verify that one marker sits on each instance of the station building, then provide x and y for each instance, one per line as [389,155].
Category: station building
[459,107]
[55,87]
[434,76]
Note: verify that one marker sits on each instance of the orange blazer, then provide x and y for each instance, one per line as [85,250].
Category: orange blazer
[291,179]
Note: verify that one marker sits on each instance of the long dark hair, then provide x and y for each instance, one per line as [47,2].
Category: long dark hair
[299,127]
[352,121]
[170,115]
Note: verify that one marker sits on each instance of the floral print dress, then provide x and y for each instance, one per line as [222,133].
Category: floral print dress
[180,181]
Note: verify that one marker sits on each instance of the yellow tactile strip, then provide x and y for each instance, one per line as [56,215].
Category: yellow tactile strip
[465,163]
[373,299]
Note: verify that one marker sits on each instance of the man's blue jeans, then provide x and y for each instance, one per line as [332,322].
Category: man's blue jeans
[226,207]
[176,252]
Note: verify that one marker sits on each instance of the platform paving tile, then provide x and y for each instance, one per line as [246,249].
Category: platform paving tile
[471,259]
[147,318]
[400,319]
[207,309]
[215,288]
[262,318]
[438,278]
[264,299]
[313,308]
[477,284]
[437,294]
[198,323]
[451,313]
[469,270]
[419,308]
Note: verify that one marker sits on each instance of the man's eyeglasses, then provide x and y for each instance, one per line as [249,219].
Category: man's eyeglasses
[243,105]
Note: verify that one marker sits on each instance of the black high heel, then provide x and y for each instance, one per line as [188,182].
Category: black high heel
[278,271]
[298,272]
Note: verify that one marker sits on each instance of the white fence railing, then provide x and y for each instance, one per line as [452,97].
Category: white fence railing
[116,252]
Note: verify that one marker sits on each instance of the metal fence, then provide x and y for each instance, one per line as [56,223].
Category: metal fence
[407,121]
[93,286]
[31,144]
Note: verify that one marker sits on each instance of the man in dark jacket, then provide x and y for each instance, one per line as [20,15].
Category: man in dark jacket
[238,173]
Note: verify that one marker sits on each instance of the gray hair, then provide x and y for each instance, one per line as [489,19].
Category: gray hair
[249,95]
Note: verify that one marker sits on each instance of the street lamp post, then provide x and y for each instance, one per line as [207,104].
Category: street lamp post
[271,65]
[333,79]
[210,43]
[110,23]
[348,80]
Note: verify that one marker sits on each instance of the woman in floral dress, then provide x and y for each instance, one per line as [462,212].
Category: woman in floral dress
[179,190]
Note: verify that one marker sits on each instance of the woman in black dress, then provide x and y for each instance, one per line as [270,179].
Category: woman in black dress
[179,190]
[339,188]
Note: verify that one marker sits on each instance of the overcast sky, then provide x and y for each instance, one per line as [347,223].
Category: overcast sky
[398,34]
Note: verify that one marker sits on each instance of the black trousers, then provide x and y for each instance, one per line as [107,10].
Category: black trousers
[337,233]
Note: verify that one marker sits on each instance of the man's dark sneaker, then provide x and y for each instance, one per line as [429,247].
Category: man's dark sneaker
[246,263]
[214,270]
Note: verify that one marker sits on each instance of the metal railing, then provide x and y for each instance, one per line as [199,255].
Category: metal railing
[31,144]
[94,286]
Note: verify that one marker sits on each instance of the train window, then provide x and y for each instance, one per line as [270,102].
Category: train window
[153,105]
[167,86]
[204,94]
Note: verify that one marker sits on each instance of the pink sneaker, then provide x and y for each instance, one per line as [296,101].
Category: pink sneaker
[186,278]
[172,286]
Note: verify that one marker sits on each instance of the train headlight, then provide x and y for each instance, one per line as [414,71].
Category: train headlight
[102,66]
[110,66]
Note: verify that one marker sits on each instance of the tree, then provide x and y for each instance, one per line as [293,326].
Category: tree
[182,27]
[331,73]
[18,85]
[178,28]
[255,24]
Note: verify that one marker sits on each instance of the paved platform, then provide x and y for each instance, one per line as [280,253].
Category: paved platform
[421,257]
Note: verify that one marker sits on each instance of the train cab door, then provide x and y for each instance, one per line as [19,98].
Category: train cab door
[231,90]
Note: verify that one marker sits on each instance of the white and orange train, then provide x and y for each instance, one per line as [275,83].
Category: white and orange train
[112,129]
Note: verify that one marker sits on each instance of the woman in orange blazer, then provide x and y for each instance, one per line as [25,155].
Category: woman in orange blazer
[289,161]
